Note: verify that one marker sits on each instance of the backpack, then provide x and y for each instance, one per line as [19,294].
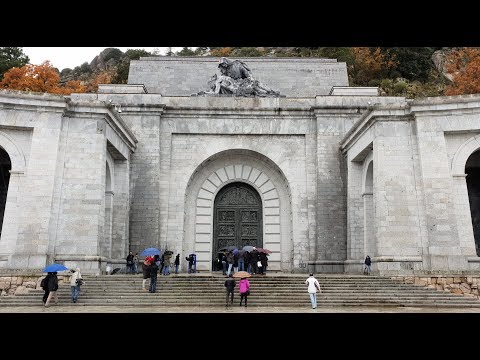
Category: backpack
[44,283]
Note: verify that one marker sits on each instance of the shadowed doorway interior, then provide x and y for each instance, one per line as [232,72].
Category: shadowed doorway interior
[5,167]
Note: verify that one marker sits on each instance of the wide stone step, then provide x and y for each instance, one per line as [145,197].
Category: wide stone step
[267,291]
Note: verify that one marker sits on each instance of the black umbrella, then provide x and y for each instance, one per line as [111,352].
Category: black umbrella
[116,270]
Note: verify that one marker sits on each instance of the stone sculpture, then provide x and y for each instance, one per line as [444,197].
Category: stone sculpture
[236,80]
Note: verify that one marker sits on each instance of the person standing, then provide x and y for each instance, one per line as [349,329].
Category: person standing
[146,270]
[244,286]
[135,264]
[153,277]
[313,287]
[367,265]
[52,288]
[75,285]
[241,261]
[166,263]
[189,258]
[130,263]
[224,264]
[230,261]
[177,263]
[230,286]
[264,262]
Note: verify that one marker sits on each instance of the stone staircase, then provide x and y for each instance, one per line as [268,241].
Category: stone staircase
[272,290]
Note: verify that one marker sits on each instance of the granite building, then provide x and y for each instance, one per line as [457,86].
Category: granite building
[322,175]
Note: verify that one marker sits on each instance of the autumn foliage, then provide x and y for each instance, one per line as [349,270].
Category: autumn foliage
[221,52]
[39,78]
[371,64]
[464,65]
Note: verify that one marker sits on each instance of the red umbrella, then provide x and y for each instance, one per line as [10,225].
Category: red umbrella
[265,251]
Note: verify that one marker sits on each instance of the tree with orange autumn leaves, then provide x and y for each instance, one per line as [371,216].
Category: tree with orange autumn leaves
[369,64]
[46,78]
[464,65]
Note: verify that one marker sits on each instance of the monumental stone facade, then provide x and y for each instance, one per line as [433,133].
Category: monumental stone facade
[321,176]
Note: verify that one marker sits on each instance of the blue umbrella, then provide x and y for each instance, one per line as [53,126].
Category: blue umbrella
[150,252]
[248,248]
[55,267]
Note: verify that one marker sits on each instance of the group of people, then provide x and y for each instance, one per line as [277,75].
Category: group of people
[253,262]
[49,285]
[244,289]
[154,264]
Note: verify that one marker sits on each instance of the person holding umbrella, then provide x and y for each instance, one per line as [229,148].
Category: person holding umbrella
[52,286]
[44,285]
[244,286]
[230,286]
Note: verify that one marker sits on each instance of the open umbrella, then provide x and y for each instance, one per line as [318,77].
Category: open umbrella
[265,251]
[228,248]
[248,248]
[241,274]
[55,267]
[116,270]
[150,251]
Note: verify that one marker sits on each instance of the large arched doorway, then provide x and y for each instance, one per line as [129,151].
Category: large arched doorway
[237,217]
[472,169]
[5,167]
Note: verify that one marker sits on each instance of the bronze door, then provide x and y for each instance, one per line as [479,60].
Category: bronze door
[237,217]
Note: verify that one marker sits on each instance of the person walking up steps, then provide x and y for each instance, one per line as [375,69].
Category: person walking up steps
[244,290]
[313,287]
[230,286]
[75,285]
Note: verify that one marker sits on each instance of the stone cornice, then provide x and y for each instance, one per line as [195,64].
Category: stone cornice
[99,108]
[374,114]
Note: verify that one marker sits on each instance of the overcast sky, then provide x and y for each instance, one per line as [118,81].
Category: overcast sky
[70,57]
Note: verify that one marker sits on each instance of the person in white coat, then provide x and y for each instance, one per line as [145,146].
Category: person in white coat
[74,285]
[313,287]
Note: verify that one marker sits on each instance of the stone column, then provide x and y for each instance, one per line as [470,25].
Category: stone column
[107,239]
[121,212]
[444,246]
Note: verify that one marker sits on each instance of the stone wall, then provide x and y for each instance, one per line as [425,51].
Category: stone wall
[184,76]
[456,284]
[22,283]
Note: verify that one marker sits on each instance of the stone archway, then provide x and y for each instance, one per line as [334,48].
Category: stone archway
[463,166]
[264,176]
[5,167]
[368,210]
[9,233]
[472,170]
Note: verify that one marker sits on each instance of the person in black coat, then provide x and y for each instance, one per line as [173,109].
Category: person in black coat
[230,286]
[44,284]
[153,277]
[52,286]
[177,263]
[367,265]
